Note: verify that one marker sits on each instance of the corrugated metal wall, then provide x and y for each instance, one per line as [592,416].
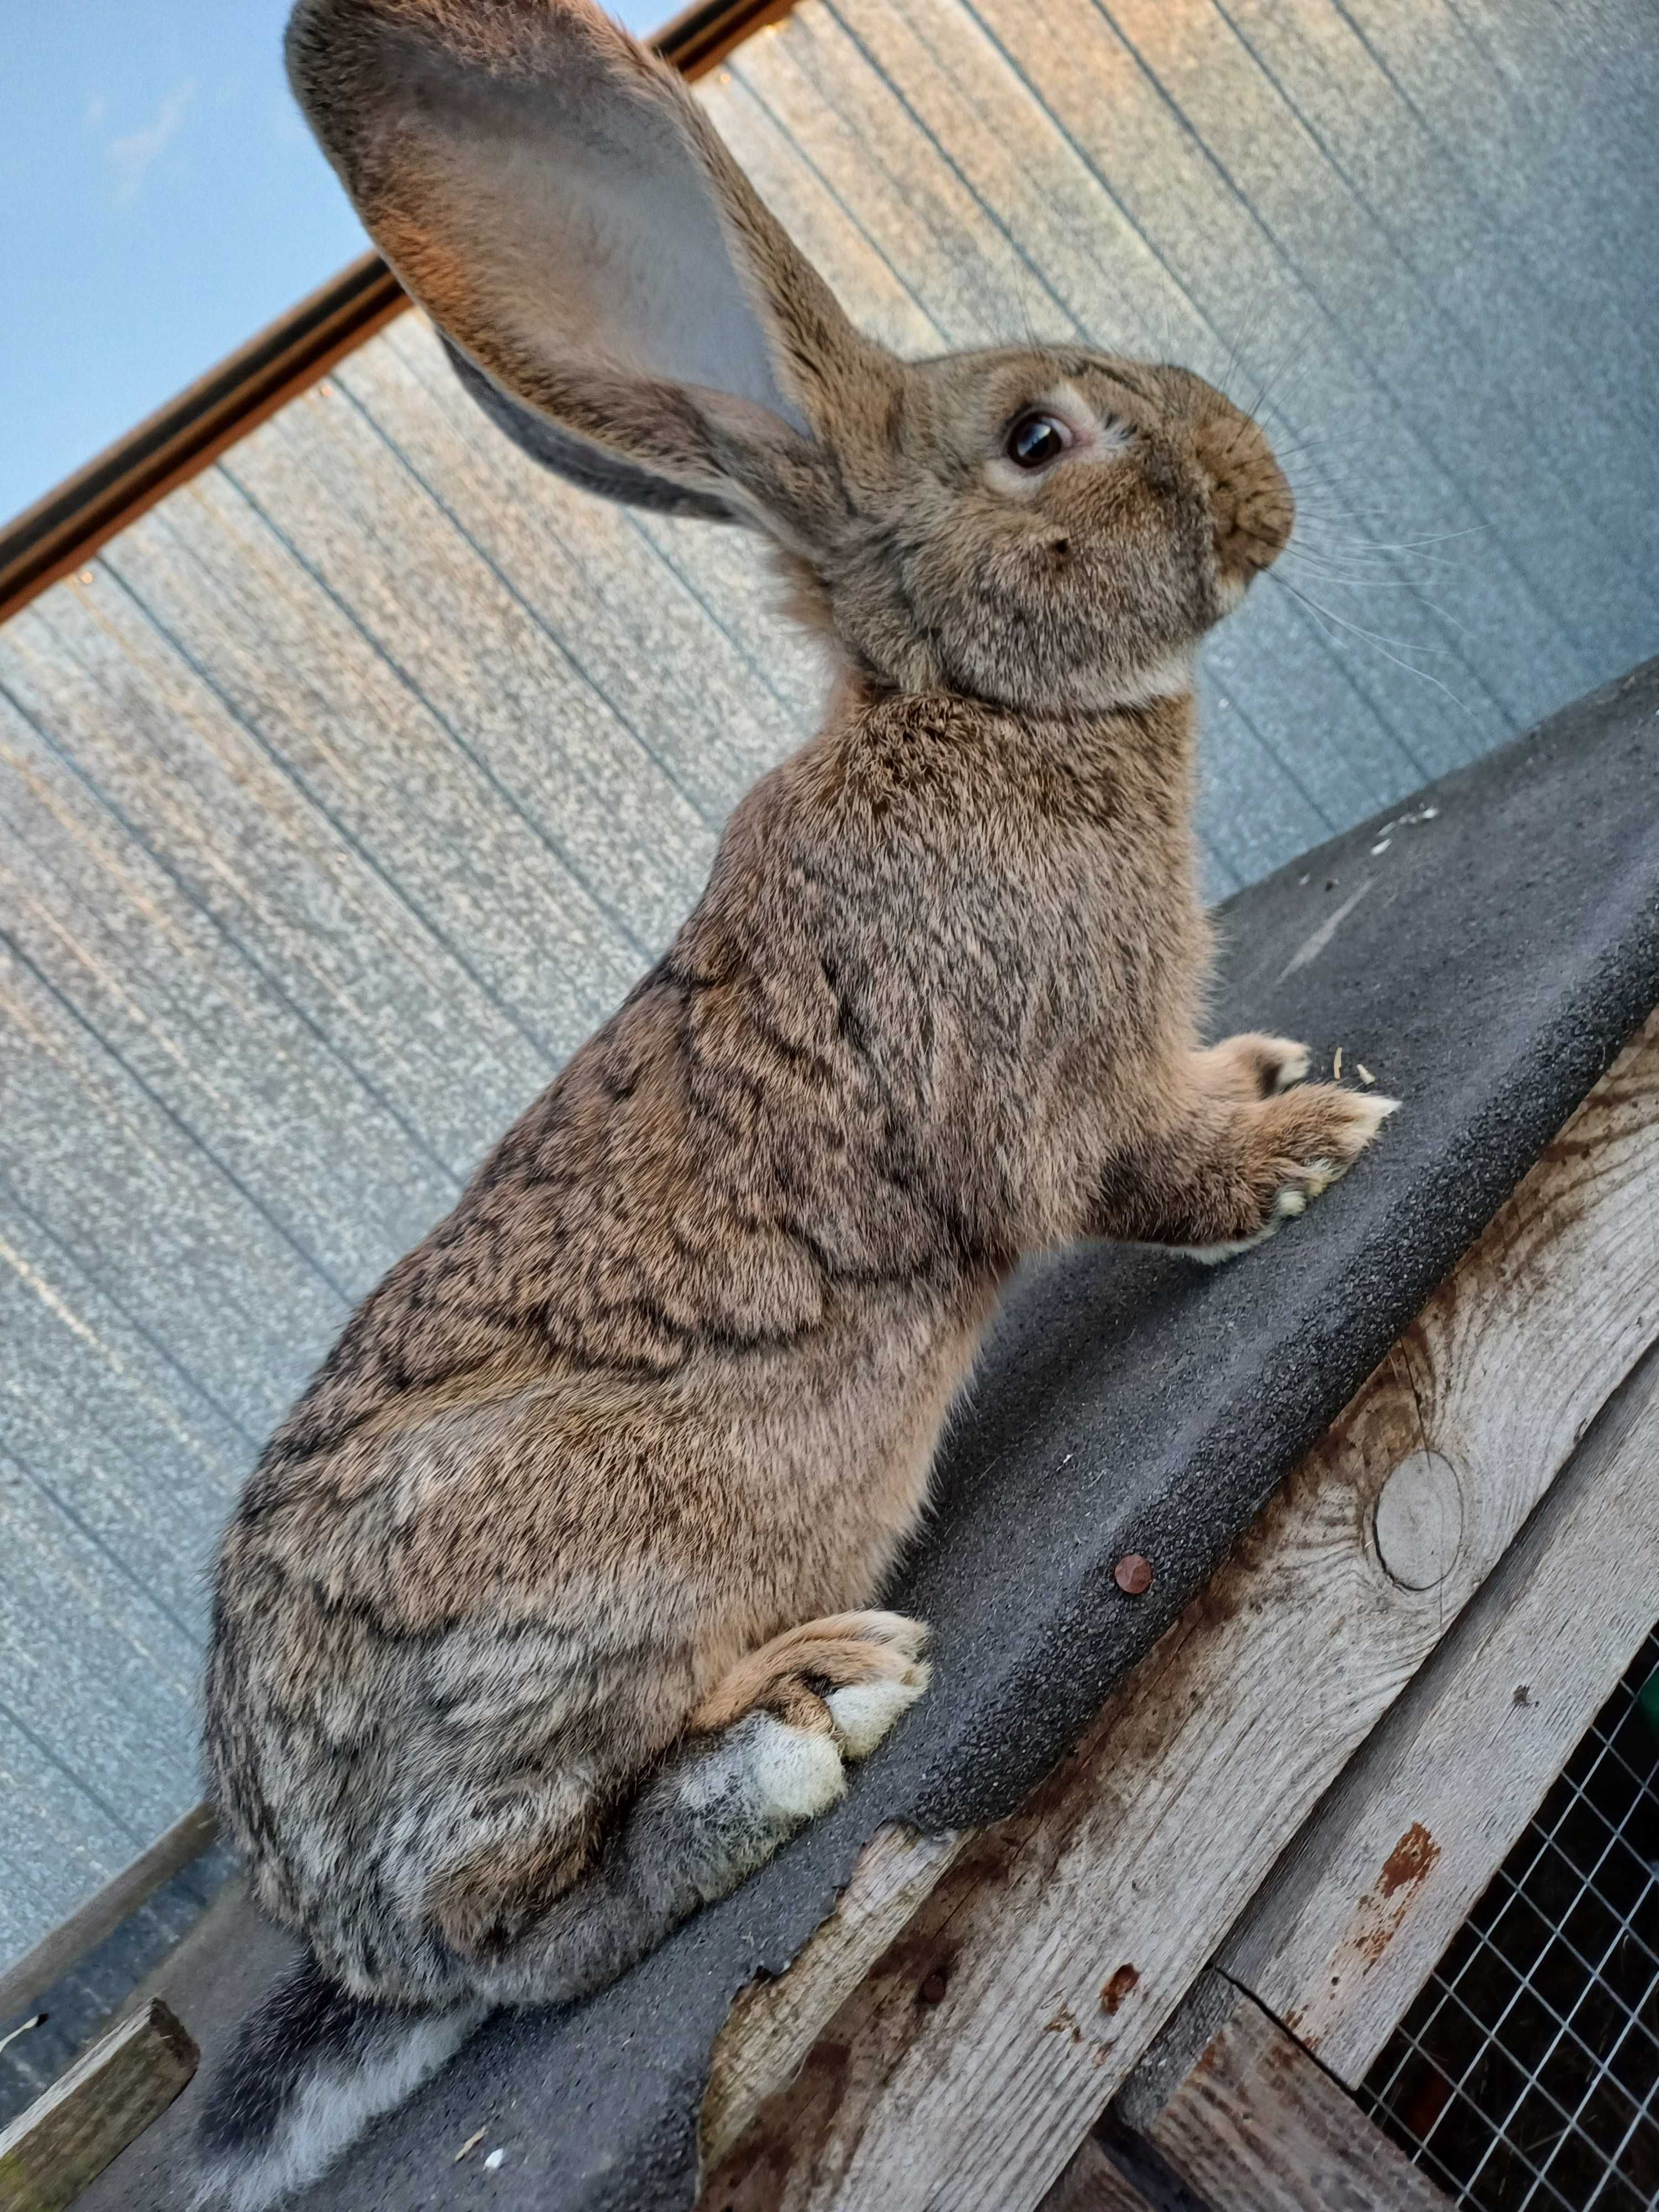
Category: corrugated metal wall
[348,790]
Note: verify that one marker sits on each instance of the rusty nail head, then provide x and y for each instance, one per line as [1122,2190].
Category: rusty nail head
[1133,1574]
[933,1989]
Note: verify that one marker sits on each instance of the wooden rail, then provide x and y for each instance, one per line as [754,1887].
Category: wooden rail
[113,2091]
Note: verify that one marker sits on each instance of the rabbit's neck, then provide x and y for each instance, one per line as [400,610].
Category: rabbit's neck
[1135,762]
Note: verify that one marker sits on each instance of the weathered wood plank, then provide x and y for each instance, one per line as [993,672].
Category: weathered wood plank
[1059,1942]
[67,2137]
[1252,2123]
[1338,1943]
[773,2025]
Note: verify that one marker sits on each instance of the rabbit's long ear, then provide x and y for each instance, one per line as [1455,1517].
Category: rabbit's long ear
[556,199]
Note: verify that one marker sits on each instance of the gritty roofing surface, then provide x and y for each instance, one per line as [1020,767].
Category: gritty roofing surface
[1489,958]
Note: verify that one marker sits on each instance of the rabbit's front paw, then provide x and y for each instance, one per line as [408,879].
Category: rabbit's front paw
[1302,1142]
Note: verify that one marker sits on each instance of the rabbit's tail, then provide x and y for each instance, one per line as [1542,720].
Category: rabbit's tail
[310,2067]
[313,2065]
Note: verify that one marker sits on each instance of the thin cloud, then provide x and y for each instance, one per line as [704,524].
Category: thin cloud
[132,157]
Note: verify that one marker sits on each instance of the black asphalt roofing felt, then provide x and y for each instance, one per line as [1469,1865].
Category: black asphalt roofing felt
[1484,954]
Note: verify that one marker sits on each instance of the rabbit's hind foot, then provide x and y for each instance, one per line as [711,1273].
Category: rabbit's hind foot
[749,1792]
[848,1677]
[764,1754]
[787,1721]
[720,1808]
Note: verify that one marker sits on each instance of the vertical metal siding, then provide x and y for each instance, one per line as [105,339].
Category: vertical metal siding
[351,787]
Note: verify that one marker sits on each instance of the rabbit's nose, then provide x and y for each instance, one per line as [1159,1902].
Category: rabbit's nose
[1250,503]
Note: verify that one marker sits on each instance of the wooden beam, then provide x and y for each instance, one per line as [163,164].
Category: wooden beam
[1340,1942]
[772,2025]
[992,2032]
[67,1944]
[1251,2122]
[66,2138]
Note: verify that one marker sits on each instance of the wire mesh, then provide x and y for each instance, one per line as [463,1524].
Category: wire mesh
[1526,2076]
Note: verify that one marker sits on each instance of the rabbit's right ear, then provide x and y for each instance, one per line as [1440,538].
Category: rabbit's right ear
[556,199]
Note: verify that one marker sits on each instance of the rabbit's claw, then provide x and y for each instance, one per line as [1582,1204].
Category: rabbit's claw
[1331,1127]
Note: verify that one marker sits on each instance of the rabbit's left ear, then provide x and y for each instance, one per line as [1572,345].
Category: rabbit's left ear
[556,199]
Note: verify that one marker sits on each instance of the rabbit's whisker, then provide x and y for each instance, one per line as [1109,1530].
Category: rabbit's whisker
[1324,615]
[1413,544]
[1376,636]
[1365,581]
[1283,377]
[1443,615]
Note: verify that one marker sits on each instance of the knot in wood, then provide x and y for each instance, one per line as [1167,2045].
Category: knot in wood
[1419,1521]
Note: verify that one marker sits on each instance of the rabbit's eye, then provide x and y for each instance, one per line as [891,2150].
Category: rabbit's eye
[1037,439]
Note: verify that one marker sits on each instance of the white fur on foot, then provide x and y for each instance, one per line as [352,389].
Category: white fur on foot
[896,1629]
[1292,1068]
[1289,1203]
[1316,1177]
[863,1712]
[792,1772]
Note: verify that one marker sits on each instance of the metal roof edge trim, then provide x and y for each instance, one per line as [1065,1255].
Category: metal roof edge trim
[66,527]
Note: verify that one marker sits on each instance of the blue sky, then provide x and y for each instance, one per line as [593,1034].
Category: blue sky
[163,201]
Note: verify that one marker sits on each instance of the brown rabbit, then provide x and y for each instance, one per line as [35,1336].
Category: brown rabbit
[544,1617]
